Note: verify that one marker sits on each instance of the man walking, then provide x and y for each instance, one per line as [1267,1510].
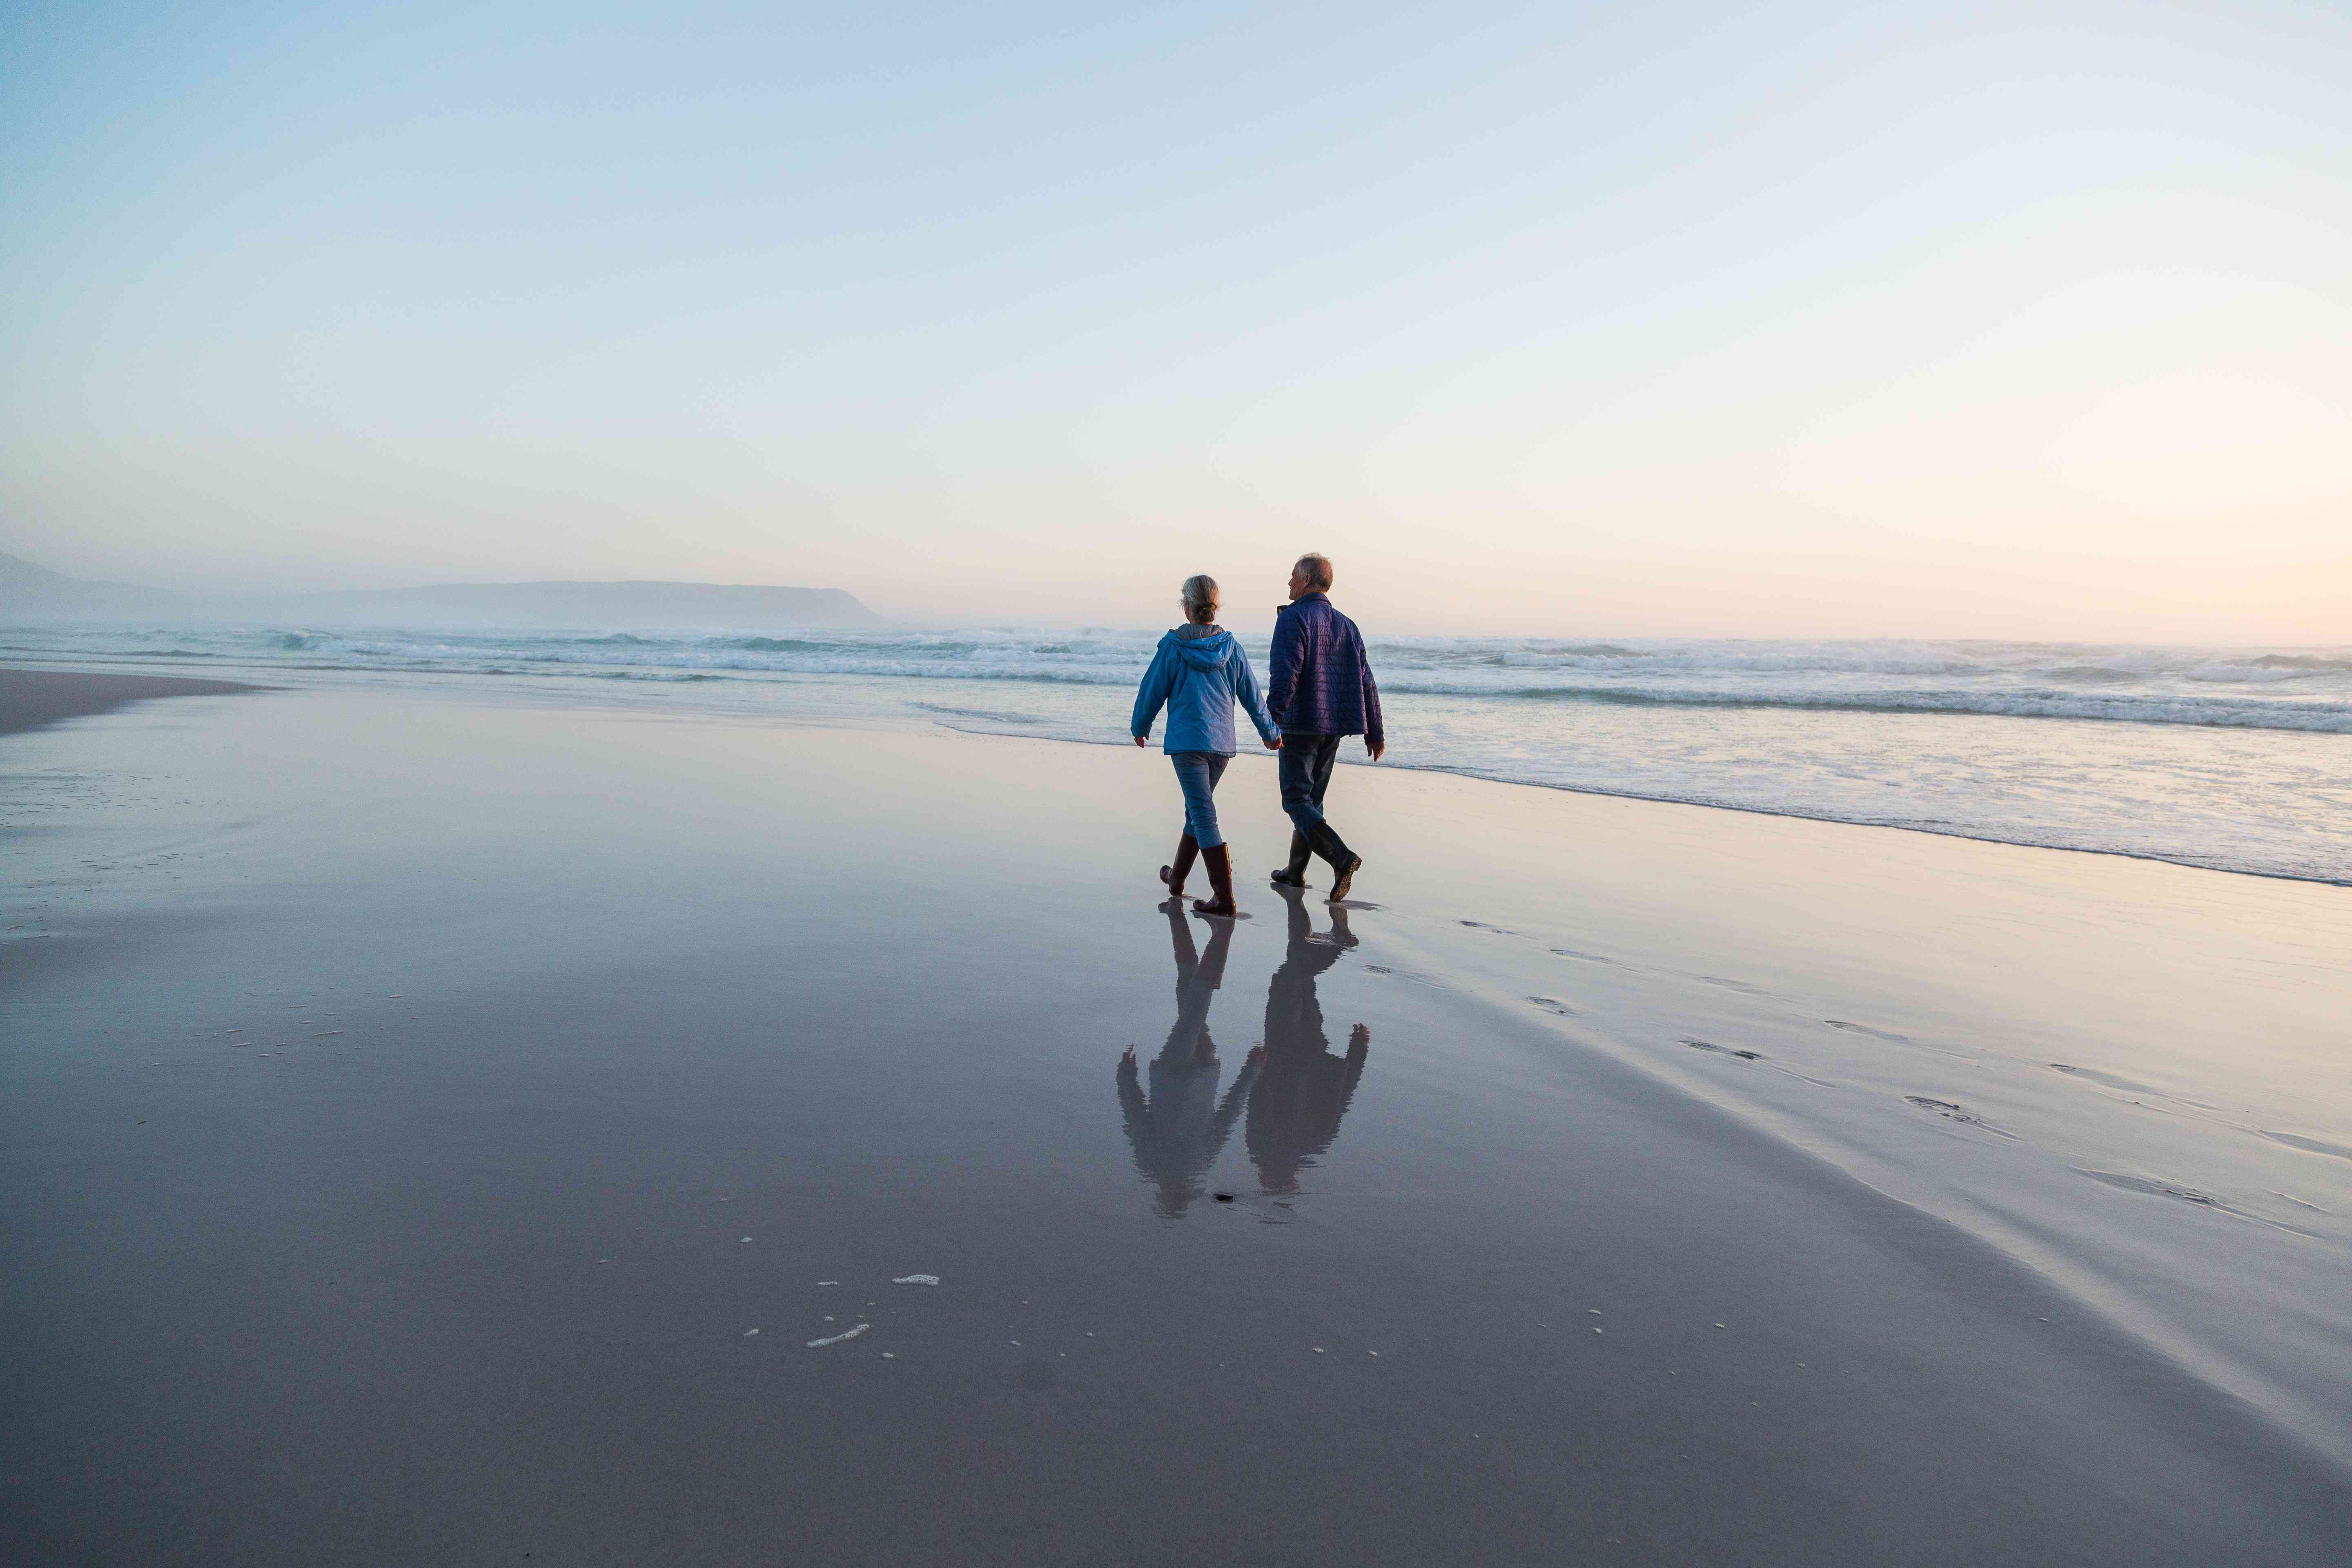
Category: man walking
[1321,690]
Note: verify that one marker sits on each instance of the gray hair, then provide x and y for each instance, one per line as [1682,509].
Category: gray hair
[1317,567]
[1201,598]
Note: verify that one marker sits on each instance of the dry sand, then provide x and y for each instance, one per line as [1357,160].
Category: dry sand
[391,1085]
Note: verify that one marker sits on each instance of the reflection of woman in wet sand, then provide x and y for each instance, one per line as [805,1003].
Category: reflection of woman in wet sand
[1304,1091]
[1180,1128]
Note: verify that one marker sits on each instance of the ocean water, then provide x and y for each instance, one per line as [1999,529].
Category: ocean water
[2237,758]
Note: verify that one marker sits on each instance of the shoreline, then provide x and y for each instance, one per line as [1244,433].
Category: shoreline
[1594,793]
[665,683]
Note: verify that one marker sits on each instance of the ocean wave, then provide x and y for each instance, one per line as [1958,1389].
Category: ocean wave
[2302,662]
[2293,689]
[2222,712]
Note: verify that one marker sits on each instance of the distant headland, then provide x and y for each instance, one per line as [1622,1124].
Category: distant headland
[29,592]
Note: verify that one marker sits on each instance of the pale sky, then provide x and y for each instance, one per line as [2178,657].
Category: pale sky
[2027,319]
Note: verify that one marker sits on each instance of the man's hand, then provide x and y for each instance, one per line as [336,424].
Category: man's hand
[1275,744]
[1370,750]
[1141,739]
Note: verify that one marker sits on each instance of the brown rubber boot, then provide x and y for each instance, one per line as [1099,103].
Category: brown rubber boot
[1220,862]
[1174,875]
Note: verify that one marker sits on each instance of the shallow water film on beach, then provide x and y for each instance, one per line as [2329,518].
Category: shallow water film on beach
[448,1122]
[2234,758]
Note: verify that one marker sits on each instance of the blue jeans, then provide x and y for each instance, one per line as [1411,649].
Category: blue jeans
[1197,773]
[1305,764]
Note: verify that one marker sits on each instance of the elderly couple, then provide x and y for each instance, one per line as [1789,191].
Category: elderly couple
[1321,691]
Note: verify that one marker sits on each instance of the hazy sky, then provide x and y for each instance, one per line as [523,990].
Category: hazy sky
[1970,319]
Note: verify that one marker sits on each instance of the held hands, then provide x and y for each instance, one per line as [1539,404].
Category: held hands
[1273,745]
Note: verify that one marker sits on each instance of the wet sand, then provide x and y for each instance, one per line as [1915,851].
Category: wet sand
[30,699]
[411,1107]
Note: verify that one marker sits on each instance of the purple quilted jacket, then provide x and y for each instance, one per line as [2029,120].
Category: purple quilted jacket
[1322,684]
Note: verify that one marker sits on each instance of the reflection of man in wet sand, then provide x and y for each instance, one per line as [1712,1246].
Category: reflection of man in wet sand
[1294,1111]
[1182,1127]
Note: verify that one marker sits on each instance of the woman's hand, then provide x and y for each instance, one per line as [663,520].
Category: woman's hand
[1141,739]
[1275,744]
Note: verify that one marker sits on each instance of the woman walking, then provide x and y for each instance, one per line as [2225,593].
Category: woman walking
[1198,673]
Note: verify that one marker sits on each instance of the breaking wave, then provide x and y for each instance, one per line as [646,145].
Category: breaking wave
[2294,689]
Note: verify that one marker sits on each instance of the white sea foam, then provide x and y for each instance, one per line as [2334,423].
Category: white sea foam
[836,1339]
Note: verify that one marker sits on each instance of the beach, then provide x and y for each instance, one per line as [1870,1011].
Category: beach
[448,1123]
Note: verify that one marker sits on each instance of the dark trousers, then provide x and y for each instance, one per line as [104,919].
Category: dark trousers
[1305,764]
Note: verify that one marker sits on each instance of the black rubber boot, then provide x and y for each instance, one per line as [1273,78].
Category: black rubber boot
[1174,875]
[1295,874]
[1220,862]
[1345,862]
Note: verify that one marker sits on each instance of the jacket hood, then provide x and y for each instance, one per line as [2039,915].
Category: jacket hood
[1203,653]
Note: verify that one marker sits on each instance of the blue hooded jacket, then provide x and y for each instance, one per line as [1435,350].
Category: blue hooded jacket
[1199,678]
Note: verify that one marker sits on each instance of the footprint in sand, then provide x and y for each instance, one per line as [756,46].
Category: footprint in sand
[2128,1087]
[1847,1027]
[2309,1145]
[1866,1029]
[1740,986]
[1553,1004]
[1584,957]
[2151,1186]
[2110,1079]
[1723,1050]
[2154,1188]
[1951,1112]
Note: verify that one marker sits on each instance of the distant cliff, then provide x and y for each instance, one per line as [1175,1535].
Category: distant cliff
[35,594]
